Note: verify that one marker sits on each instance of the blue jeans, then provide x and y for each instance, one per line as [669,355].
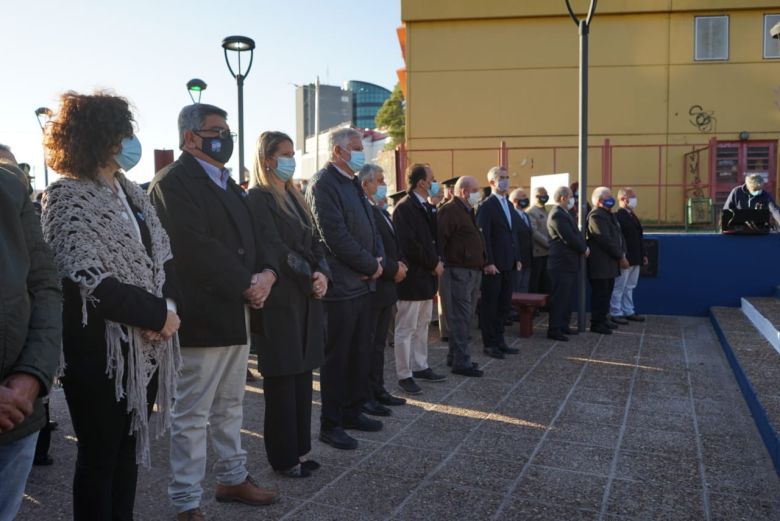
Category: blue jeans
[15,463]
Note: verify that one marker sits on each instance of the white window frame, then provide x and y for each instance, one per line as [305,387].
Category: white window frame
[696,39]
[768,38]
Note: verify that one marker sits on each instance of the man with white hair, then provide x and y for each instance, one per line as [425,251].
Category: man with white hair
[621,306]
[566,247]
[463,252]
[607,257]
[752,195]
[498,221]
[354,251]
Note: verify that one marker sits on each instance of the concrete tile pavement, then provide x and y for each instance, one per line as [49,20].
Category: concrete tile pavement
[643,424]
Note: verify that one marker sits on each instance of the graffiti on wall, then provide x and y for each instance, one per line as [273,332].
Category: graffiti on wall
[702,119]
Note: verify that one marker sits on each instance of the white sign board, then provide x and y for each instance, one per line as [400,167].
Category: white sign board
[550,182]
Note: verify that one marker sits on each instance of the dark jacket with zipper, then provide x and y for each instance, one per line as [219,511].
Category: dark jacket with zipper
[606,244]
[30,300]
[213,241]
[289,329]
[415,226]
[345,222]
[460,240]
[633,236]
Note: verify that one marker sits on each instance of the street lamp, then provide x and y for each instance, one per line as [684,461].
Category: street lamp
[239,44]
[196,85]
[43,114]
[584,27]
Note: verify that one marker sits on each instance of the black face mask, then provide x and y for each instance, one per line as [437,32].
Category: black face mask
[524,203]
[543,198]
[218,149]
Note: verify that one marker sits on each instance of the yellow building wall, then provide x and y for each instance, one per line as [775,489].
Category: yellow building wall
[480,73]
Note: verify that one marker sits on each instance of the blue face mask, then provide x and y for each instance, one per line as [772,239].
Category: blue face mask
[381,193]
[385,206]
[356,160]
[756,192]
[130,154]
[434,190]
[609,202]
[285,168]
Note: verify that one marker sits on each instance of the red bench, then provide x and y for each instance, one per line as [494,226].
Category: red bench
[526,305]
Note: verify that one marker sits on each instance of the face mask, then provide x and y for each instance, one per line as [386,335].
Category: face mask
[130,153]
[217,149]
[609,202]
[381,193]
[503,185]
[385,206]
[757,192]
[524,202]
[475,198]
[570,203]
[356,160]
[433,191]
[285,168]
[543,198]
[632,202]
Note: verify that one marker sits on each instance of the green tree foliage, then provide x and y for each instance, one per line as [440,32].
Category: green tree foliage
[392,119]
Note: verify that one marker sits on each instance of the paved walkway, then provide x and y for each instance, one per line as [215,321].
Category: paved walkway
[644,424]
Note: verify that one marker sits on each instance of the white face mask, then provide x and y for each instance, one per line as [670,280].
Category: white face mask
[475,198]
[632,202]
[570,203]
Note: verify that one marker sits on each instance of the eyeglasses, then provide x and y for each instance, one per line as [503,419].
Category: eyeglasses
[222,133]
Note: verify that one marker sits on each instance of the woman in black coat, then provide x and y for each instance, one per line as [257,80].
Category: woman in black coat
[289,329]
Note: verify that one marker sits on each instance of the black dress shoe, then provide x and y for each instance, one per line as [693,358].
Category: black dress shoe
[310,465]
[298,471]
[635,318]
[620,320]
[602,329]
[429,375]
[508,350]
[409,386]
[557,335]
[494,352]
[375,409]
[386,398]
[43,461]
[469,371]
[610,324]
[337,438]
[361,422]
[568,331]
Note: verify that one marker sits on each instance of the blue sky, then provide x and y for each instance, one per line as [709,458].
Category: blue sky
[147,51]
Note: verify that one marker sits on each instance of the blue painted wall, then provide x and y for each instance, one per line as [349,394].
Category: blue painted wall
[697,271]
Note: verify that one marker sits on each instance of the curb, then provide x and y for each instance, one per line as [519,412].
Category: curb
[768,433]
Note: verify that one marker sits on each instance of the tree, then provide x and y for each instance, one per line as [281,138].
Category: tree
[392,119]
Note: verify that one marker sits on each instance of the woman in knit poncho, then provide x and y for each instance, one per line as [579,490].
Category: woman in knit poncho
[119,312]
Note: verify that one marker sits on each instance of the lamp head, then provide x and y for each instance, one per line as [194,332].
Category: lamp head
[43,111]
[196,85]
[238,43]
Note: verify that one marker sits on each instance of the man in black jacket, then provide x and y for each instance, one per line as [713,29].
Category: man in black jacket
[622,302]
[31,332]
[498,222]
[463,252]
[752,195]
[354,252]
[607,257]
[415,225]
[566,247]
[384,298]
[213,242]
[525,239]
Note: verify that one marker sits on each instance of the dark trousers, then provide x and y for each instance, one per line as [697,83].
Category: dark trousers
[539,281]
[494,307]
[600,293]
[344,375]
[562,284]
[106,472]
[380,320]
[287,425]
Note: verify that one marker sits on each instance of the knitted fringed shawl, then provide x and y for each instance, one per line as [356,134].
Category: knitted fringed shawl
[92,237]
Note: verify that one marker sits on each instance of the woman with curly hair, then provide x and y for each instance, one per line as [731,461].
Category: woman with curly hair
[119,316]
[289,328]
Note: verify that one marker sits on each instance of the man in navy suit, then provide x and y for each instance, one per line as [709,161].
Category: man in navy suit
[498,221]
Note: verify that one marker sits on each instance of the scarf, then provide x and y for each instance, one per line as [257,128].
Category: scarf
[92,237]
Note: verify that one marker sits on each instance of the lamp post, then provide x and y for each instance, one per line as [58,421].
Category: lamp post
[584,28]
[196,85]
[43,114]
[239,44]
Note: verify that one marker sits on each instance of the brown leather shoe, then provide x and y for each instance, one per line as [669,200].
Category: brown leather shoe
[248,492]
[195,514]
